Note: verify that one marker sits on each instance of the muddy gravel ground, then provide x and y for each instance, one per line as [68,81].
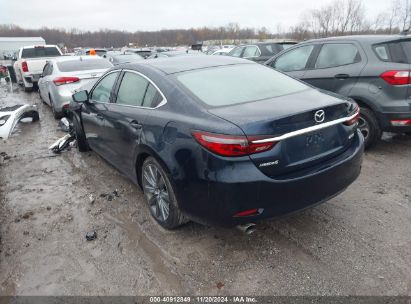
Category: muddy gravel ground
[359,243]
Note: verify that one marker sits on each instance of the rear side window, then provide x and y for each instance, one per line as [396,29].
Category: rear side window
[333,55]
[237,52]
[152,98]
[294,60]
[102,91]
[40,51]
[83,65]
[234,84]
[132,90]
[251,51]
[271,49]
[393,51]
[382,52]
[137,91]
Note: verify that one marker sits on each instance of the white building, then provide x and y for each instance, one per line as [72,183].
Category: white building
[10,45]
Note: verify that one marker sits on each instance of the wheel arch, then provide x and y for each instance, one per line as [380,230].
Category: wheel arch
[144,152]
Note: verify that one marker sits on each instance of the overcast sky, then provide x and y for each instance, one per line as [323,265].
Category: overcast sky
[134,15]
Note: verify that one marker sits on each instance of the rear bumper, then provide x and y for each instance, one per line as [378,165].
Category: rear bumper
[386,124]
[215,202]
[32,78]
[62,97]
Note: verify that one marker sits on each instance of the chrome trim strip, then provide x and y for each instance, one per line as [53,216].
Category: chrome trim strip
[306,130]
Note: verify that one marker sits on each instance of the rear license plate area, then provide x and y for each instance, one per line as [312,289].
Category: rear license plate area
[310,145]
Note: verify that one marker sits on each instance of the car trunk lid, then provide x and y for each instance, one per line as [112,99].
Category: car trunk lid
[284,117]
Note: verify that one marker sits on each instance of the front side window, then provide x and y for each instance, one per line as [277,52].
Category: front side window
[294,60]
[333,55]
[234,84]
[132,90]
[102,91]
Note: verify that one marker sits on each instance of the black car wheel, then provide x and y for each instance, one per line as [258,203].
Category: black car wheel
[159,194]
[369,127]
[53,109]
[82,144]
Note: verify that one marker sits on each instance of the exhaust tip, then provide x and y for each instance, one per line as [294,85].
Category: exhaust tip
[248,228]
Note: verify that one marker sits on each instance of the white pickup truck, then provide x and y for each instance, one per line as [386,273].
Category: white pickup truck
[30,62]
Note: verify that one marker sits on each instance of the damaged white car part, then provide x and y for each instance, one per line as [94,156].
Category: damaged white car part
[62,143]
[10,116]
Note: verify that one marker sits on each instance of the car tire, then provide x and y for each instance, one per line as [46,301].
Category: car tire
[53,109]
[82,144]
[160,196]
[369,127]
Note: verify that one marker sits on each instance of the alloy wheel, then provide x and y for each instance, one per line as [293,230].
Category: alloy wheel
[156,192]
[364,127]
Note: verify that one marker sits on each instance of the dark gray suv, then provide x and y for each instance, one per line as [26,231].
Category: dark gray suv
[373,70]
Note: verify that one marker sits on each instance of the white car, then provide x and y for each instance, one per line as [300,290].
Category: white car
[64,75]
[30,62]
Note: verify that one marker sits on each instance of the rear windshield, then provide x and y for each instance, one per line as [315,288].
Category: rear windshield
[234,84]
[40,51]
[84,65]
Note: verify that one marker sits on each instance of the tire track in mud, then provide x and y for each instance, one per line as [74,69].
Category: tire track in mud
[157,258]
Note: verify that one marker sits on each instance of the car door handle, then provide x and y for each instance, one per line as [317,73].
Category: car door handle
[342,76]
[135,124]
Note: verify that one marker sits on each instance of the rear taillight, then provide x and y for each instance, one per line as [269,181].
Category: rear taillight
[249,212]
[396,77]
[401,122]
[24,66]
[231,145]
[354,119]
[65,80]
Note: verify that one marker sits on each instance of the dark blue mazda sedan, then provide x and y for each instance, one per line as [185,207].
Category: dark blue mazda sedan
[220,140]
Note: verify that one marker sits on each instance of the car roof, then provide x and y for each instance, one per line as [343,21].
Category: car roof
[178,64]
[269,43]
[361,38]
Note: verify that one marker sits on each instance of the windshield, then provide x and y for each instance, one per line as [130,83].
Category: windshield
[83,65]
[234,84]
[40,51]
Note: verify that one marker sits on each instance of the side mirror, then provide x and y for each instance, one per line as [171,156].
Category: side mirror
[81,96]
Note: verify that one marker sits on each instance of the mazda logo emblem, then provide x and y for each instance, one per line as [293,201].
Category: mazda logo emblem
[319,116]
